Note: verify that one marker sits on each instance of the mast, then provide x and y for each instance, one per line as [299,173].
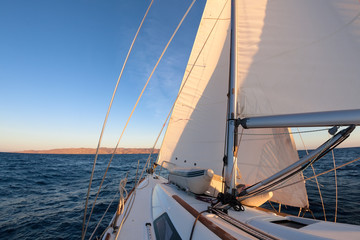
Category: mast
[231,162]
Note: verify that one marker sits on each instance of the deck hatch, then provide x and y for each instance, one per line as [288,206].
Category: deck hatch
[164,229]
[289,223]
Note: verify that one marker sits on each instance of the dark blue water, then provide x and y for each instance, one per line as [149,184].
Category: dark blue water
[347,183]
[42,196]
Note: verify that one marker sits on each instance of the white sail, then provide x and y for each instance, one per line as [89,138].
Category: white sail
[196,131]
[264,152]
[298,56]
[294,57]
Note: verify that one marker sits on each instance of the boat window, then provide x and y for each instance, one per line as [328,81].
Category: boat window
[164,229]
[289,223]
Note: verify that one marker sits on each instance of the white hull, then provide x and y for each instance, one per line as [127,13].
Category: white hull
[154,197]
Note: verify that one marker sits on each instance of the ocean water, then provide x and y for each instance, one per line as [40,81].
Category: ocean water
[43,195]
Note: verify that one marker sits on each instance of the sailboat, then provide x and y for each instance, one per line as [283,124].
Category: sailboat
[257,68]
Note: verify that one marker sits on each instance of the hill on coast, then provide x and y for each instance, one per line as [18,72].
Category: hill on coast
[93,150]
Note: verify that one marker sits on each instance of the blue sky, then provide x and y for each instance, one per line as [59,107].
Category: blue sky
[60,60]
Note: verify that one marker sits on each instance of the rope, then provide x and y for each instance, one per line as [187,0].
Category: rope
[132,199]
[122,190]
[321,198]
[272,206]
[317,182]
[309,178]
[102,132]
[257,233]
[193,227]
[282,181]
[177,28]
[311,212]
[97,226]
[126,211]
[336,186]
[326,148]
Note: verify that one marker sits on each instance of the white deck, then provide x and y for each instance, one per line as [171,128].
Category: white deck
[154,197]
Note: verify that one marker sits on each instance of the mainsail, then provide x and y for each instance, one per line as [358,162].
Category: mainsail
[293,57]
[298,56]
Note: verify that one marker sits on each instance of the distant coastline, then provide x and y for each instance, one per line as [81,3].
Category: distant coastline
[92,151]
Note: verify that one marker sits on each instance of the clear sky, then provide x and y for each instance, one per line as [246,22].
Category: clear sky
[60,60]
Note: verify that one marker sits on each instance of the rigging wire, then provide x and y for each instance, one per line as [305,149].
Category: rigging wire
[309,178]
[182,87]
[167,45]
[157,63]
[280,183]
[97,226]
[178,95]
[156,140]
[103,128]
[317,182]
[321,198]
[326,147]
[336,186]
